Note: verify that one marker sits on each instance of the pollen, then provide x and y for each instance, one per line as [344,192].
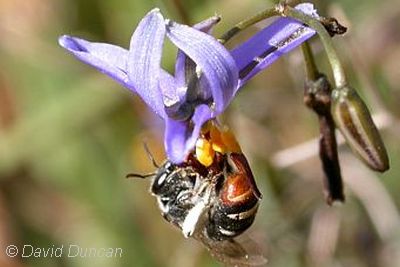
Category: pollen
[215,140]
[230,141]
[204,152]
[223,141]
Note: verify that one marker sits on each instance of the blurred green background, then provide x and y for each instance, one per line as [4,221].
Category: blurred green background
[69,135]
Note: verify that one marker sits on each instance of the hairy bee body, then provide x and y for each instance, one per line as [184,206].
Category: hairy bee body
[219,202]
[237,203]
[173,187]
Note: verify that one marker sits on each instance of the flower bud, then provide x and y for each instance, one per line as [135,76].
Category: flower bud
[353,119]
[317,96]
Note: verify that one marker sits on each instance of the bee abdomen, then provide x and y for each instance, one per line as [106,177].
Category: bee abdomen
[235,211]
[227,222]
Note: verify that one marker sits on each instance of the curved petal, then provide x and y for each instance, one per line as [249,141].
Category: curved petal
[184,67]
[201,115]
[180,138]
[272,42]
[175,139]
[207,25]
[167,86]
[144,60]
[173,106]
[215,62]
[109,59]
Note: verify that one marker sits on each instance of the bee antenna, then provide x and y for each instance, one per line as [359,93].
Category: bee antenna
[153,161]
[137,175]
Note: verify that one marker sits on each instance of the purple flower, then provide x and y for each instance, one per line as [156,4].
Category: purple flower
[279,38]
[207,75]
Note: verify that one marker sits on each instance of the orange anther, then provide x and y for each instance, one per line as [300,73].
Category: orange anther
[230,141]
[204,152]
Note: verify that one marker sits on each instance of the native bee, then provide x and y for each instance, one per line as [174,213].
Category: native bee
[212,204]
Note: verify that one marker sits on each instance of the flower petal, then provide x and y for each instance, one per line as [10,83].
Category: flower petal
[173,106]
[207,25]
[184,67]
[202,114]
[144,60]
[109,59]
[175,139]
[180,138]
[272,42]
[167,87]
[214,61]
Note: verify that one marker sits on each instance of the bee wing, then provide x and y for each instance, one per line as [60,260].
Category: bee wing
[235,253]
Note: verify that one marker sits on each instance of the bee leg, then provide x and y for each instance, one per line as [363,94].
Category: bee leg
[192,219]
[194,216]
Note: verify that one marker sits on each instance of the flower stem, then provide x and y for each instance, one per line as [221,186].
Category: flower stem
[247,23]
[311,68]
[337,69]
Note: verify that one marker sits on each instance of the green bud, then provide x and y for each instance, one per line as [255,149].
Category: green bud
[353,119]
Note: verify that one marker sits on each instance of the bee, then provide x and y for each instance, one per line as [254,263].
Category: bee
[213,204]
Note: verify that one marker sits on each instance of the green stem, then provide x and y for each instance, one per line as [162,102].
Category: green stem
[311,68]
[337,69]
[247,23]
